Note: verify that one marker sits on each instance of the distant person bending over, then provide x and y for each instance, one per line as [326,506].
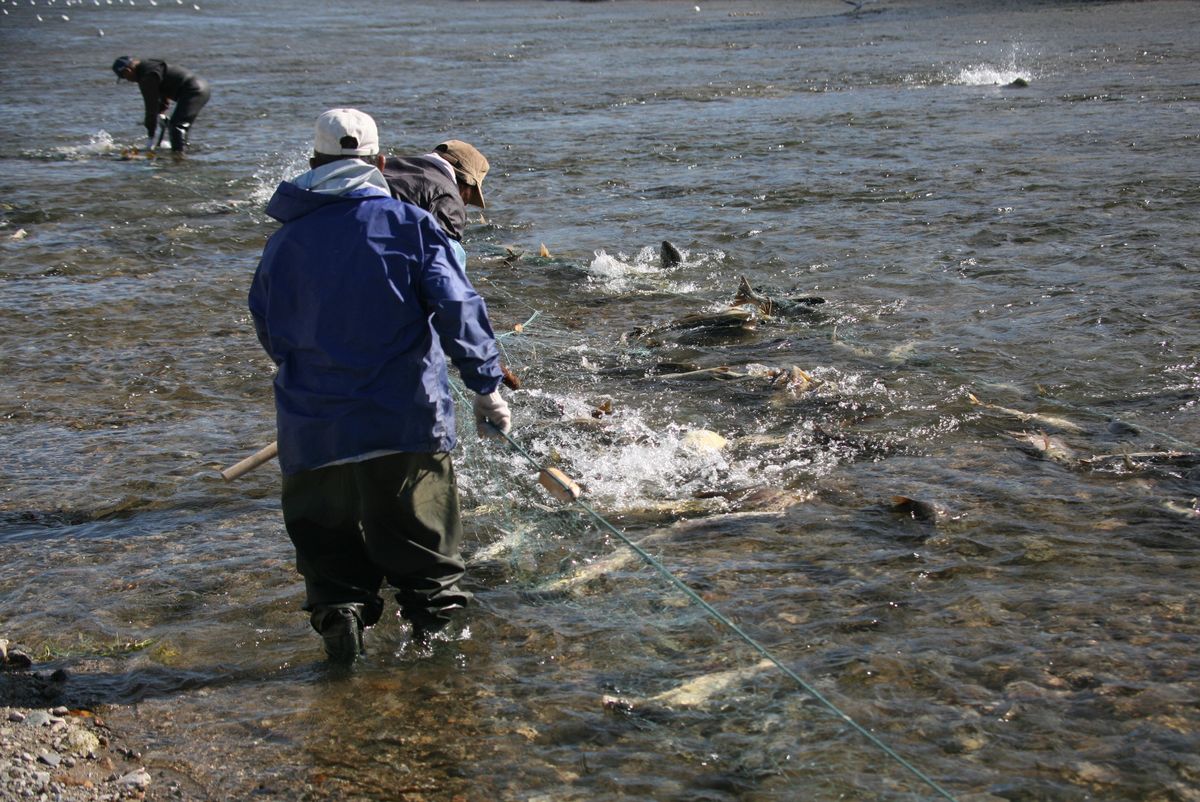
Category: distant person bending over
[161,83]
[442,183]
[359,301]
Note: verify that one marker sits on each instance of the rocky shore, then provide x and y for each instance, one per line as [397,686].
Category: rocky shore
[57,753]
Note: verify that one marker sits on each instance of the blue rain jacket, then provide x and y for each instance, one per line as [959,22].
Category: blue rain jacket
[358,299]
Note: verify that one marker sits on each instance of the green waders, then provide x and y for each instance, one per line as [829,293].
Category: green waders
[393,518]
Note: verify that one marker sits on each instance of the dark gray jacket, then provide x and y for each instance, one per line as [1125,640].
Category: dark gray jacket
[160,84]
[423,182]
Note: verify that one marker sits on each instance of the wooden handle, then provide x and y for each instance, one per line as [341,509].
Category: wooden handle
[251,462]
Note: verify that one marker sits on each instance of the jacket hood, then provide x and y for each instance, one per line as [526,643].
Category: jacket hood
[291,202]
[329,183]
[341,177]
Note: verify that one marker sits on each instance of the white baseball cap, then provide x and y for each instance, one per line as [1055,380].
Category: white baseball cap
[346,132]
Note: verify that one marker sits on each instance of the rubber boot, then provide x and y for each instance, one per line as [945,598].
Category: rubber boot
[179,138]
[341,627]
[427,622]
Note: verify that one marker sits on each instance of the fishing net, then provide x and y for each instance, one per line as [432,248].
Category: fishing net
[634,623]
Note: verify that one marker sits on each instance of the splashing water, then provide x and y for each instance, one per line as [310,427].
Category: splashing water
[268,176]
[619,273]
[99,143]
[988,75]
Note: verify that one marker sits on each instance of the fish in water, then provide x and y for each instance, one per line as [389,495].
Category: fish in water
[669,255]
[703,440]
[128,154]
[594,571]
[1166,461]
[1053,421]
[1043,445]
[601,567]
[691,694]
[712,322]
[1190,510]
[917,509]
[771,307]
[510,379]
[759,499]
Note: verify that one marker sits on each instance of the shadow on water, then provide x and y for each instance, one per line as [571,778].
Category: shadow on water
[91,683]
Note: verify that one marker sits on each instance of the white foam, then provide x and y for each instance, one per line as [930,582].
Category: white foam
[98,144]
[1014,66]
[616,273]
[642,271]
[988,75]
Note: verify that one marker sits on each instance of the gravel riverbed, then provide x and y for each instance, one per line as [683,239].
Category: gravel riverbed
[56,752]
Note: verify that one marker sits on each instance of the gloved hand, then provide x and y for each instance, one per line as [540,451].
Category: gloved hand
[494,409]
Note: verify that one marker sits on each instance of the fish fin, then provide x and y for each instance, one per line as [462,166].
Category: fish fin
[744,294]
[669,255]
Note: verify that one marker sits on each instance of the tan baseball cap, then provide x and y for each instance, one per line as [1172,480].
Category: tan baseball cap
[469,166]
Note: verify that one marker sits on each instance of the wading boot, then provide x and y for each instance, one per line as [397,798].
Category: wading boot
[428,622]
[341,627]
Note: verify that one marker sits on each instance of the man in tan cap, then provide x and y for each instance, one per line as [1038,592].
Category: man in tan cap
[441,182]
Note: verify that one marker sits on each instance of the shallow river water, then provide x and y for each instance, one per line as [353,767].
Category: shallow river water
[957,500]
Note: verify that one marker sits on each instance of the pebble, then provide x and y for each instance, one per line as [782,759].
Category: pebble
[50,755]
[38,718]
[138,778]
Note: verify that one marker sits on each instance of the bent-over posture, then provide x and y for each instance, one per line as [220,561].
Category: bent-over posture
[160,84]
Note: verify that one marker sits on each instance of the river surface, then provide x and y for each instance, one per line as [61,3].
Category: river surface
[957,500]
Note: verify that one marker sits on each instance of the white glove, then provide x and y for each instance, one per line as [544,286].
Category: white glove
[491,408]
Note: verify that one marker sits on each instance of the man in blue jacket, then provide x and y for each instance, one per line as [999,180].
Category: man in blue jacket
[359,301]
